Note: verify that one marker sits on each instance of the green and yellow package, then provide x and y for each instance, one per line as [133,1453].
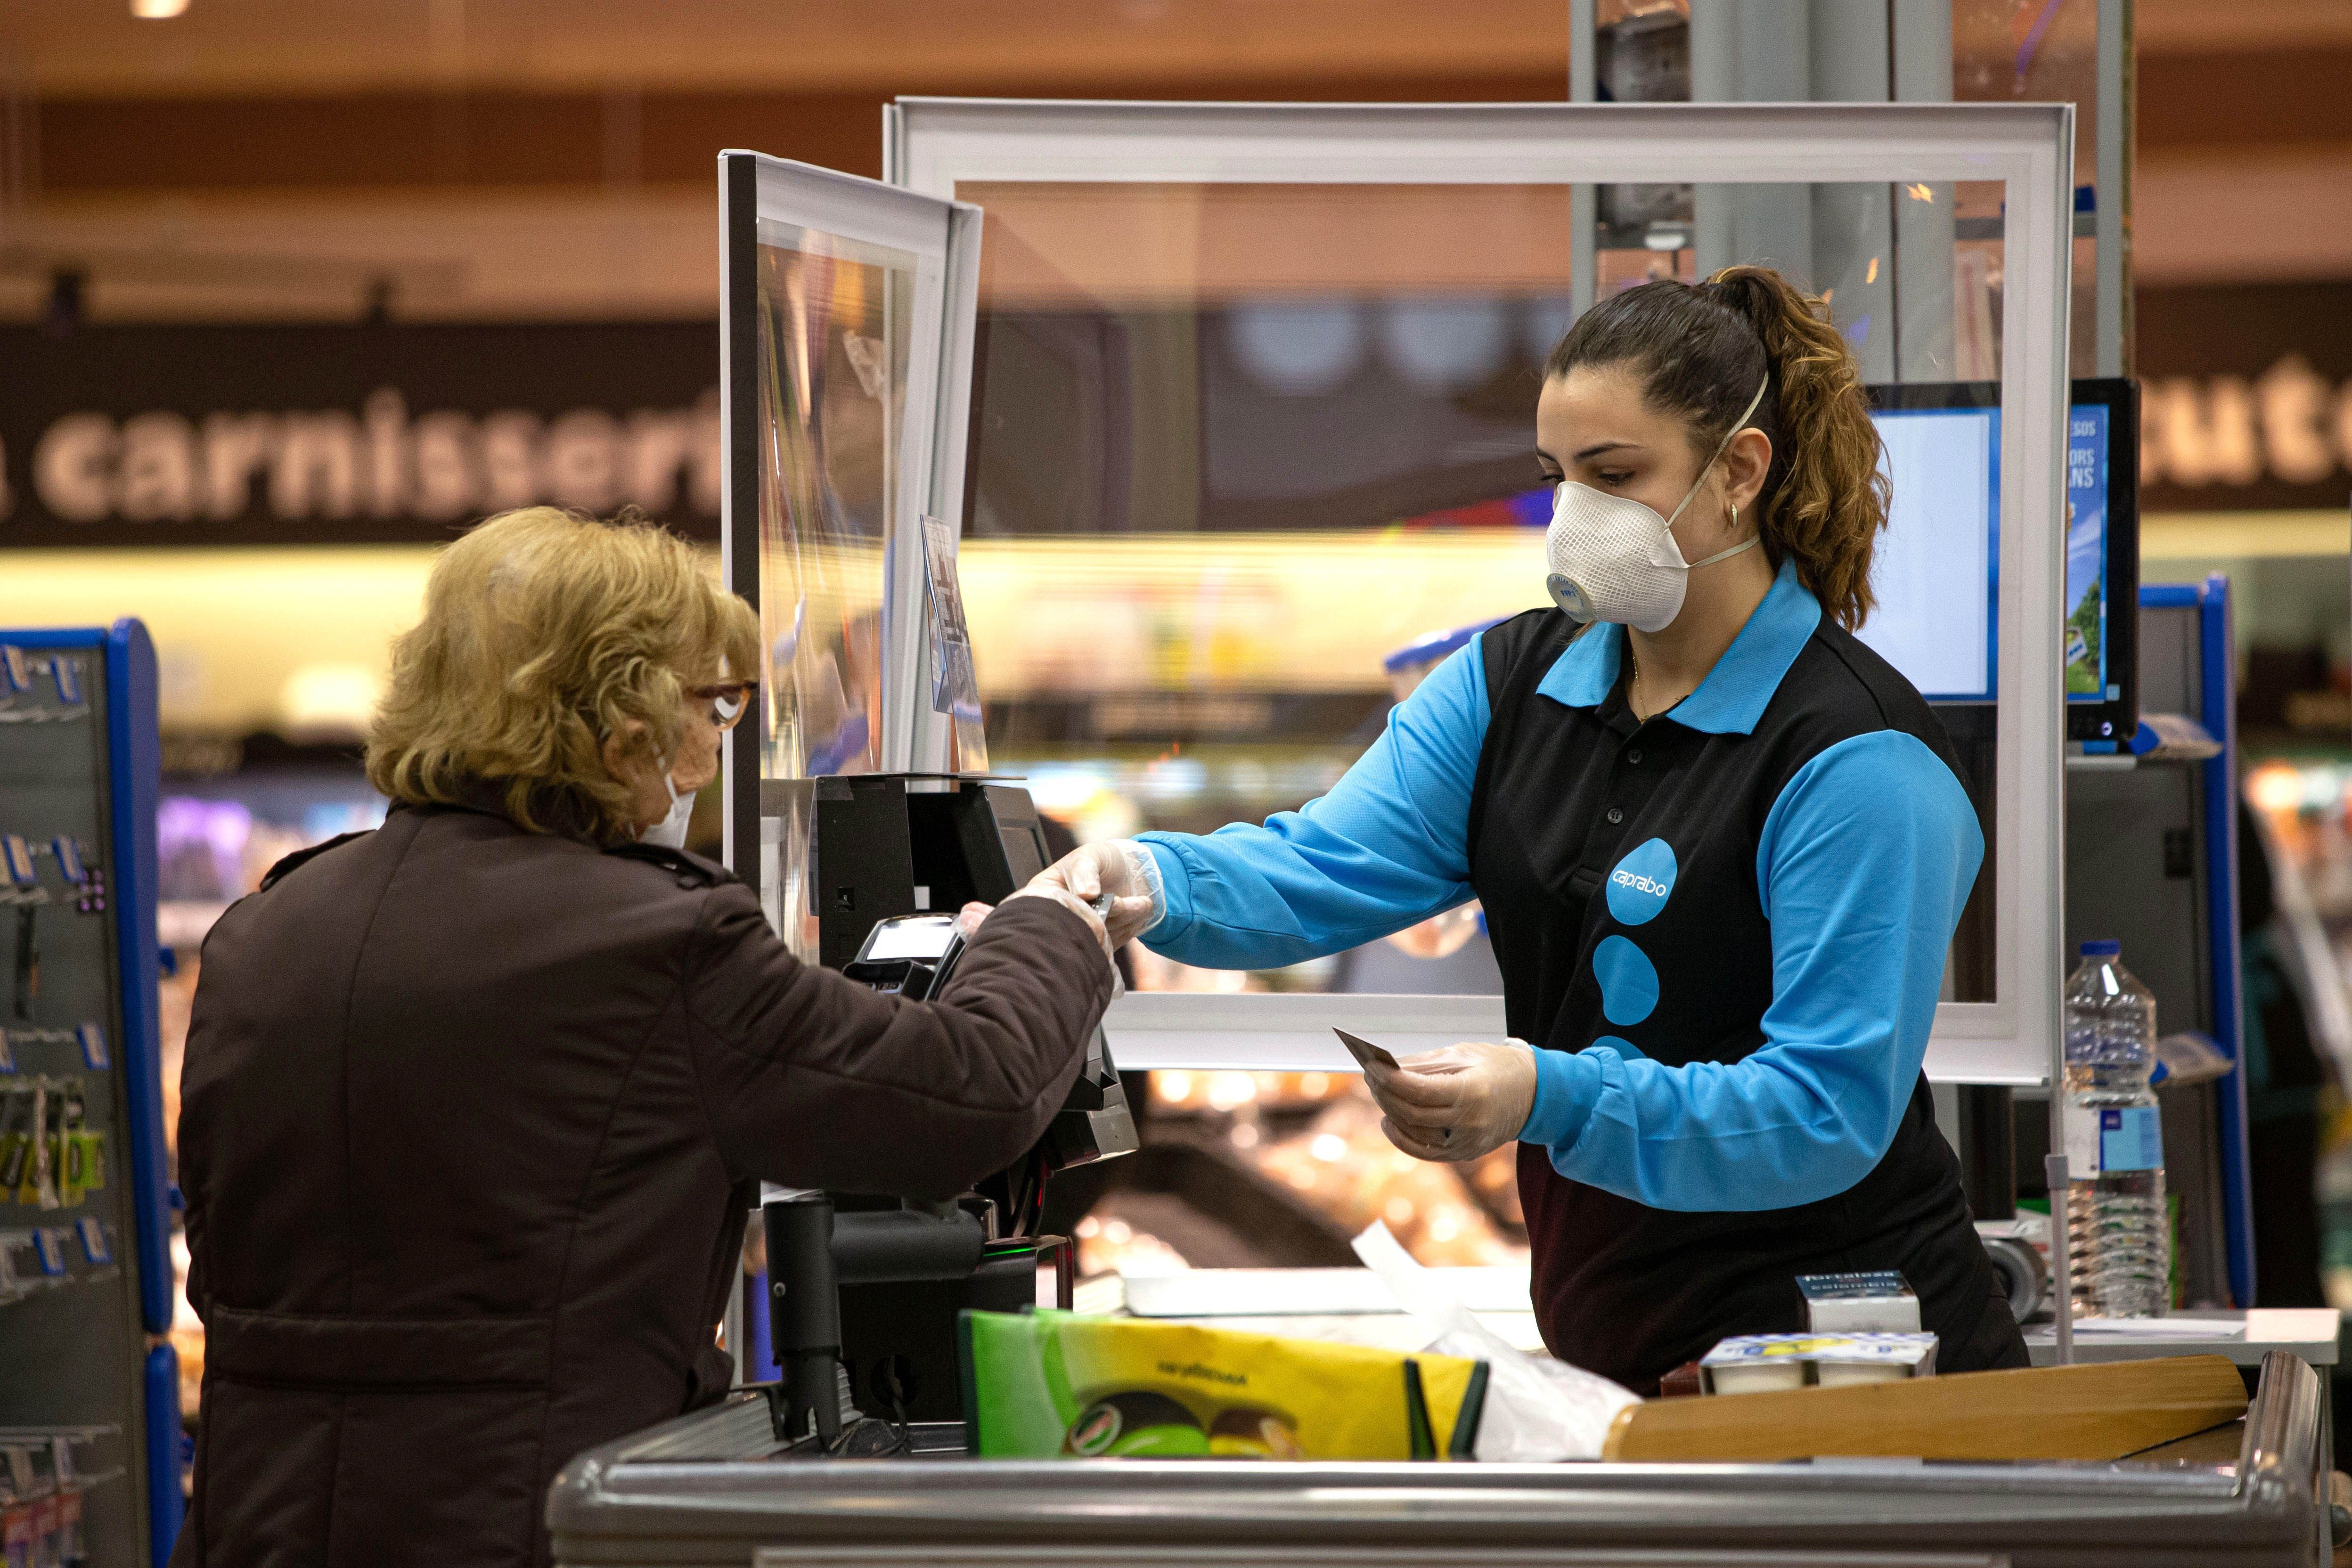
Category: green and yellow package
[1044,1384]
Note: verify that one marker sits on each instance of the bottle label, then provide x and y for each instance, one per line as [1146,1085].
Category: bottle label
[2131,1138]
[2082,1129]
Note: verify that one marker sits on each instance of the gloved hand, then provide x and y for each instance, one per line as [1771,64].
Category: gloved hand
[1457,1103]
[1121,868]
[1039,888]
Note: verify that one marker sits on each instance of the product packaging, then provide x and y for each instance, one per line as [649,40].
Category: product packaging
[27,1149]
[1762,1364]
[67,1117]
[72,1549]
[1049,1384]
[1537,1410]
[1873,1303]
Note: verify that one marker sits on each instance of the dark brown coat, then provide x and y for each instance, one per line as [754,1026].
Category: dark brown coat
[471,1118]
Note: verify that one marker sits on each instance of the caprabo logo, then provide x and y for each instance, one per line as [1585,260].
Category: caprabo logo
[1640,884]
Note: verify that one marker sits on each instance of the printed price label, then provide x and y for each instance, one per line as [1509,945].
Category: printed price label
[16,857]
[93,1241]
[93,1047]
[50,1251]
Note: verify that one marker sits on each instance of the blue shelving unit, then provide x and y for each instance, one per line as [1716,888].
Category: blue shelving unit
[80,760]
[2217,710]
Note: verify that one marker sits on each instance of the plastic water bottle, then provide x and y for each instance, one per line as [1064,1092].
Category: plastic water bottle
[2117,1224]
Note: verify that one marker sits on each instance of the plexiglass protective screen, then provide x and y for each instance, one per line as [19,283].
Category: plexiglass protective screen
[834,319]
[1248,458]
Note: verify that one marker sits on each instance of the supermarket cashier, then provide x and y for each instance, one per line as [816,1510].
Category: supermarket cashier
[1721,845]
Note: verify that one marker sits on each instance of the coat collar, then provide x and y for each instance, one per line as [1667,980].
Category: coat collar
[1733,696]
[557,811]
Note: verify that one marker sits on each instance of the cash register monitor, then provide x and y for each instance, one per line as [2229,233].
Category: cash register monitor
[1935,578]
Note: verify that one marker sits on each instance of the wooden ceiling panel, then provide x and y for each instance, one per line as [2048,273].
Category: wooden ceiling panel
[95,47]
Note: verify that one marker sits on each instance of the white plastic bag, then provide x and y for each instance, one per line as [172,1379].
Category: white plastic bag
[1536,1409]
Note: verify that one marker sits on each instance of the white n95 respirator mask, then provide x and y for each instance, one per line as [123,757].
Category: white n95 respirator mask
[1613,559]
[670,831]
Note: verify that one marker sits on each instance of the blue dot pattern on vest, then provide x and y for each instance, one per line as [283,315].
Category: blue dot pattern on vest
[1642,881]
[1629,981]
[1626,1049]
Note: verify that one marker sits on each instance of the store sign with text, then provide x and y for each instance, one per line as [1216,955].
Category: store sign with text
[277,435]
[2245,397]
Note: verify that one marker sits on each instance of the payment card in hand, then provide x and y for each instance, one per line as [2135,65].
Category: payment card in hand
[1365,1052]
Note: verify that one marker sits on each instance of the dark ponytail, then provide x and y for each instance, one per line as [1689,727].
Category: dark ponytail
[1700,349]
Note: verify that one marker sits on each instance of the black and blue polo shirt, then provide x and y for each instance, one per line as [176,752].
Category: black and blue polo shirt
[1725,932]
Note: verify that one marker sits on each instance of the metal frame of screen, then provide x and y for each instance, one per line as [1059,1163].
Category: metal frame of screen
[932,144]
[944,237]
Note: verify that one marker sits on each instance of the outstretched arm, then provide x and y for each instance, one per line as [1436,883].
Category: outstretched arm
[1387,846]
[813,1080]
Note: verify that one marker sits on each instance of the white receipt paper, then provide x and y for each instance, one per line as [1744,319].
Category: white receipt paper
[2163,1328]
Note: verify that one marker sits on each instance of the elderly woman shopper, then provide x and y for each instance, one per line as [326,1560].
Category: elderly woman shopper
[475,1104]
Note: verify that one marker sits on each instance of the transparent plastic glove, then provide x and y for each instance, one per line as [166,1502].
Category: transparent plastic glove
[1039,888]
[1456,1103]
[1120,867]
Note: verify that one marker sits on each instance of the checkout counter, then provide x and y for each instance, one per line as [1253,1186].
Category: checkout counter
[717,1488]
[755,1480]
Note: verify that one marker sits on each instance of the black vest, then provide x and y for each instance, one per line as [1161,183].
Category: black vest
[1562,795]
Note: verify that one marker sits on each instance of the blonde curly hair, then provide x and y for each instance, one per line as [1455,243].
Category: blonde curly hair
[545,631]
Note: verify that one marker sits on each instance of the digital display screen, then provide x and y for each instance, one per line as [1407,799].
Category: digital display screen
[1942,530]
[2086,555]
[1933,574]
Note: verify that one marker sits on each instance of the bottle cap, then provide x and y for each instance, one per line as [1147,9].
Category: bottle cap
[2107,949]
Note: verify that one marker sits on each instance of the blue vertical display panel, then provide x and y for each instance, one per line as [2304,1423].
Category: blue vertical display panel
[89,1415]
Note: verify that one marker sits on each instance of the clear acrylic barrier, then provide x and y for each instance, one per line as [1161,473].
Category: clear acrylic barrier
[1256,387]
[848,327]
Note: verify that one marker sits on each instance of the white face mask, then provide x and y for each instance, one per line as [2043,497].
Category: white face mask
[1613,559]
[670,831]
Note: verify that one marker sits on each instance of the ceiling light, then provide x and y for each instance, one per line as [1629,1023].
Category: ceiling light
[157,10]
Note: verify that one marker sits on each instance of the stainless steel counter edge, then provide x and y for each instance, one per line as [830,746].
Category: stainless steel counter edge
[697,1480]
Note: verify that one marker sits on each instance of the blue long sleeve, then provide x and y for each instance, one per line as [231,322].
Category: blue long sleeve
[1865,860]
[1387,846]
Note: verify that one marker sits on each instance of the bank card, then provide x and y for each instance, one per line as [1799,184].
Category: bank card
[1365,1052]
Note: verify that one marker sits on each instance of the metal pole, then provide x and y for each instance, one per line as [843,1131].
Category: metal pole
[1583,198]
[1852,225]
[1922,49]
[2062,1262]
[2111,191]
[1714,78]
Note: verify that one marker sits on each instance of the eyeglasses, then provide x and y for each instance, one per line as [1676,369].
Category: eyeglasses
[728,701]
